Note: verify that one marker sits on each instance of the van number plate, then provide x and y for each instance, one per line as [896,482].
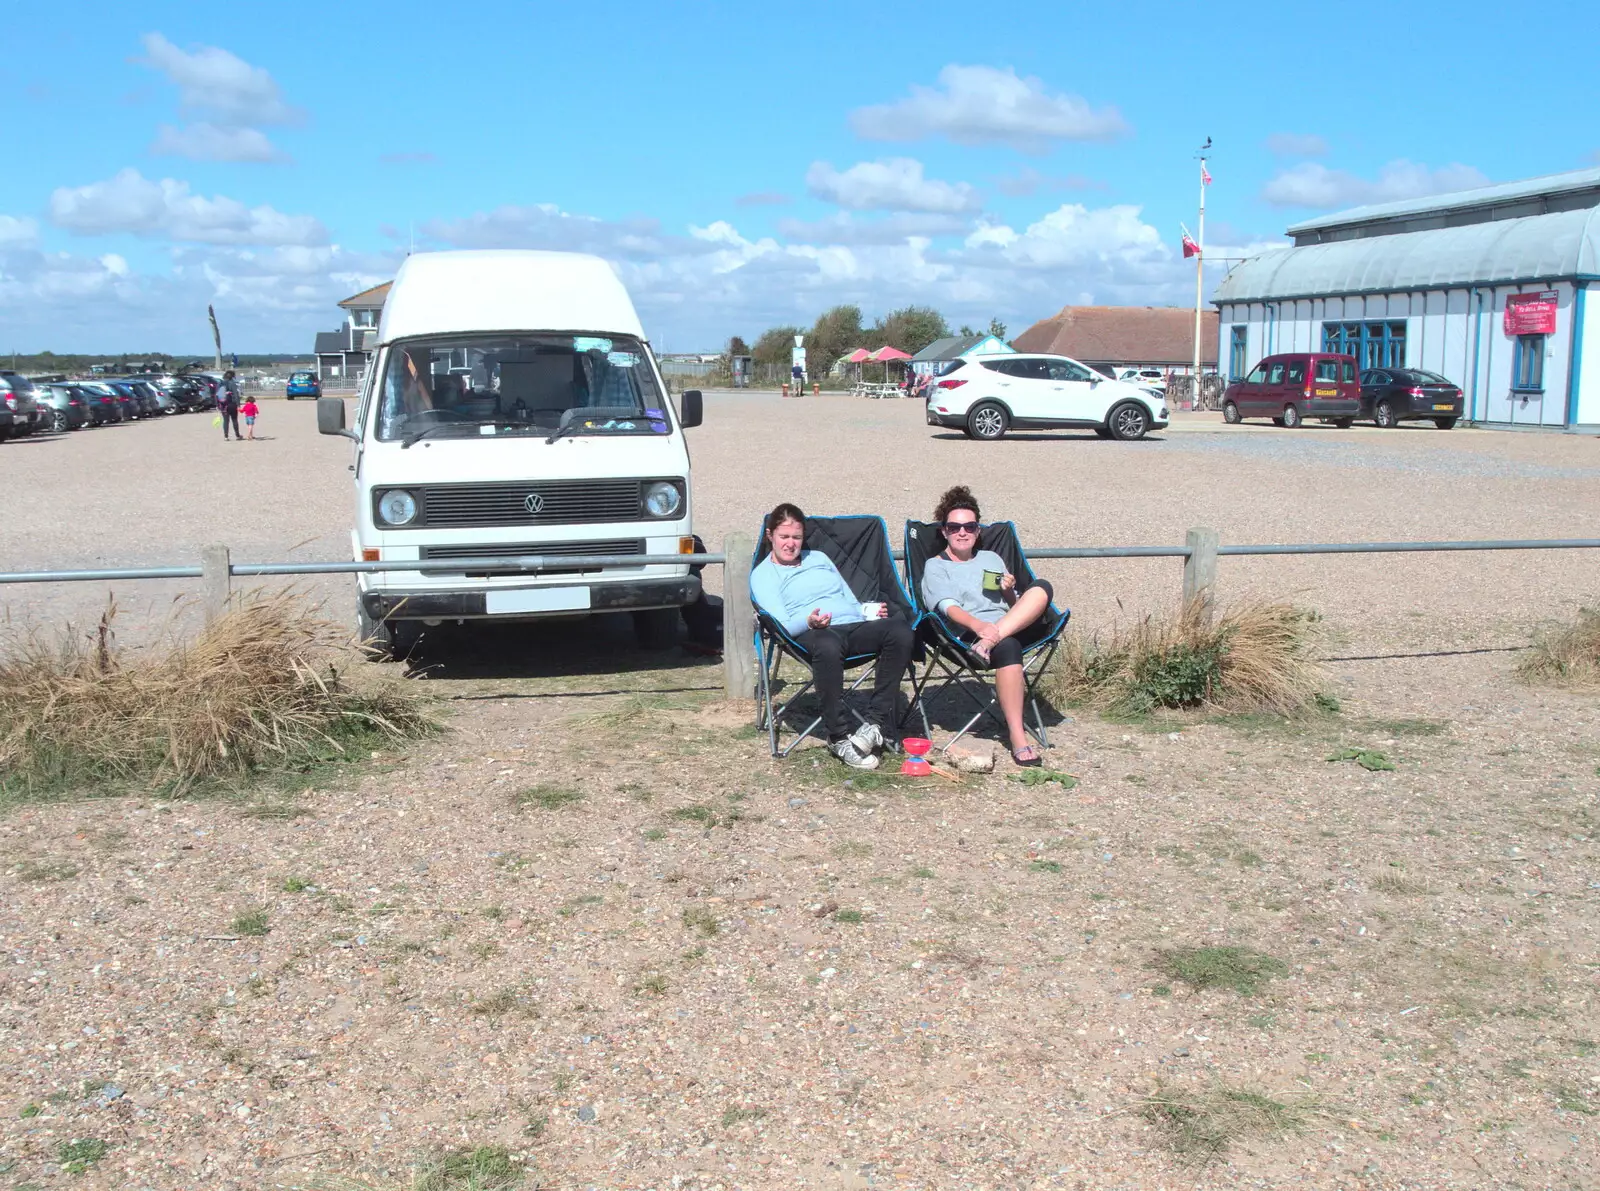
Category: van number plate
[536,599]
[1327,392]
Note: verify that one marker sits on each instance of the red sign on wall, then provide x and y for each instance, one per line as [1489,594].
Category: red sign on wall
[1531,314]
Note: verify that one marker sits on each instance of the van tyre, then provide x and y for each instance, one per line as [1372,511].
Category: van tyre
[385,640]
[1384,416]
[656,628]
[1445,423]
[1291,417]
[987,421]
[1128,422]
[1230,413]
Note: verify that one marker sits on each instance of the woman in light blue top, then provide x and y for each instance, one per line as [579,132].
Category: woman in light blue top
[972,589]
[803,591]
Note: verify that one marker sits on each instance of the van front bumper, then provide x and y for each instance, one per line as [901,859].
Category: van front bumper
[635,595]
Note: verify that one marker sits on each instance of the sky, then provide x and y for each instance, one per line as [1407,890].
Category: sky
[743,166]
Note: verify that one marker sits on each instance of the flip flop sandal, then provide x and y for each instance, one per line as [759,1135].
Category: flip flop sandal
[1017,757]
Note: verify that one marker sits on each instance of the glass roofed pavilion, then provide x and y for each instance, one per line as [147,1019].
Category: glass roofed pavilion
[1486,287]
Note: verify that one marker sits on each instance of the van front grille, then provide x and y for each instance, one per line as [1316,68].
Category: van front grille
[621,547]
[523,502]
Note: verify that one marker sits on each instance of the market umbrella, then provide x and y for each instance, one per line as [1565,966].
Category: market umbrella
[886,353]
[856,357]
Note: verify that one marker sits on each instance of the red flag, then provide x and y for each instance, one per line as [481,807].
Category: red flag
[1190,248]
[1205,178]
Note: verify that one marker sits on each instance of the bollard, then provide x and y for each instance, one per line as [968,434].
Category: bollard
[785,388]
[738,619]
[816,389]
[216,579]
[1200,569]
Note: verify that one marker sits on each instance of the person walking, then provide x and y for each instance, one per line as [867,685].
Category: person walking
[228,405]
[249,409]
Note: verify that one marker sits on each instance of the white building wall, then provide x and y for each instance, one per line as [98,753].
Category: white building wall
[1457,333]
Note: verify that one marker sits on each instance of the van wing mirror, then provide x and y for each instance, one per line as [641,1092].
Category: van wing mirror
[692,409]
[330,418]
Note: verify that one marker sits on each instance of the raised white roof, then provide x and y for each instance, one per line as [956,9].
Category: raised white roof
[448,293]
[1535,248]
[1481,196]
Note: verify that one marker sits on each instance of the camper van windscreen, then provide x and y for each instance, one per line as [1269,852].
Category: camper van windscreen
[524,384]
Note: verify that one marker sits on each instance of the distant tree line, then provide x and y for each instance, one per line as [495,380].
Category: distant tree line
[839,331]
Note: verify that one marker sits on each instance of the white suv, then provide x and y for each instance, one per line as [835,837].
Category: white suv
[988,395]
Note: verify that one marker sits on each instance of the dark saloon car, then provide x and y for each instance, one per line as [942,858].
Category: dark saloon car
[114,406]
[1390,396]
[65,404]
[185,394]
[16,394]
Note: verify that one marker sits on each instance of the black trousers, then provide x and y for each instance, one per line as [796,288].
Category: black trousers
[230,415]
[889,639]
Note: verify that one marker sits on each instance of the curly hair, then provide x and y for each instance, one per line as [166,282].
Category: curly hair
[959,497]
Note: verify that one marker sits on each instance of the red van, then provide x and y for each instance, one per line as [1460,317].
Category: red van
[1294,386]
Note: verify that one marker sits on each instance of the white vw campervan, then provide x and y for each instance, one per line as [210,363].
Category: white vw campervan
[513,408]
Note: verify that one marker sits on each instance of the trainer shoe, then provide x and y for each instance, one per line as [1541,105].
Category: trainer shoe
[868,738]
[847,752]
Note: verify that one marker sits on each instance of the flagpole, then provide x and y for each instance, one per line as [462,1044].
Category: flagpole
[1199,285]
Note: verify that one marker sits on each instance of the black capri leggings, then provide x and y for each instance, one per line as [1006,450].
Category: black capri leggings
[1009,651]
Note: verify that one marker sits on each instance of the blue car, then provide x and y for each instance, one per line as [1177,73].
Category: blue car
[303,384]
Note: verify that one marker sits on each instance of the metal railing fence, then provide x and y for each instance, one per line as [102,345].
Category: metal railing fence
[1200,552]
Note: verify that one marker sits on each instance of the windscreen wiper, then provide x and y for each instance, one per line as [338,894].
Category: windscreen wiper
[423,433]
[591,414]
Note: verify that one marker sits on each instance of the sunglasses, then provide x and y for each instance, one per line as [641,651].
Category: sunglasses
[961,527]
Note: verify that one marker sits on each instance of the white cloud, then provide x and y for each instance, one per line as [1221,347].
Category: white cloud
[1295,144]
[895,184]
[979,105]
[1108,241]
[132,204]
[234,97]
[1312,184]
[18,231]
[210,79]
[114,264]
[203,141]
[844,228]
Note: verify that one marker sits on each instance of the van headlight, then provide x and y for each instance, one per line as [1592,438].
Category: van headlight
[662,499]
[397,507]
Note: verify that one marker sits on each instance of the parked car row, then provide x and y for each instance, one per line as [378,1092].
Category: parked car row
[989,395]
[1294,386]
[31,407]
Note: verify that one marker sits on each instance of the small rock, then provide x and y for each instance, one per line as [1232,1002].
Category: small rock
[972,760]
[587,1114]
[796,803]
[107,1094]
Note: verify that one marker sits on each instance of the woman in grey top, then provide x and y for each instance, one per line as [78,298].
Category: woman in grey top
[972,589]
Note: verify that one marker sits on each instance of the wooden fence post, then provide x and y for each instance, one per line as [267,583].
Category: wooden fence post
[216,579]
[738,619]
[1200,568]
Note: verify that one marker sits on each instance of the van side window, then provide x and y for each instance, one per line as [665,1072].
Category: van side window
[1349,372]
[1258,375]
[1275,374]
[1328,370]
[1297,372]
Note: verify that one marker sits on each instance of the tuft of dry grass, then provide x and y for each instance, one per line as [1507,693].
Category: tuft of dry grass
[1255,657]
[258,687]
[1201,1126]
[1567,656]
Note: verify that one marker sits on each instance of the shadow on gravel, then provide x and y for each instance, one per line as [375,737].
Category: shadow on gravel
[602,646]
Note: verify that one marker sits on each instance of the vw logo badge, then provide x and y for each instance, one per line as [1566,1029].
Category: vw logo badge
[534,503]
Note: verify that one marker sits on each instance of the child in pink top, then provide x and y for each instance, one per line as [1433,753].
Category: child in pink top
[249,409]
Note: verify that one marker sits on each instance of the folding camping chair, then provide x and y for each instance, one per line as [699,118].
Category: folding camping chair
[859,547]
[947,660]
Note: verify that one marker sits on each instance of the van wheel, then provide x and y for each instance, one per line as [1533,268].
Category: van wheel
[656,628]
[1384,416]
[1445,423]
[1230,413]
[1277,421]
[988,422]
[1344,423]
[1291,417]
[386,640]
